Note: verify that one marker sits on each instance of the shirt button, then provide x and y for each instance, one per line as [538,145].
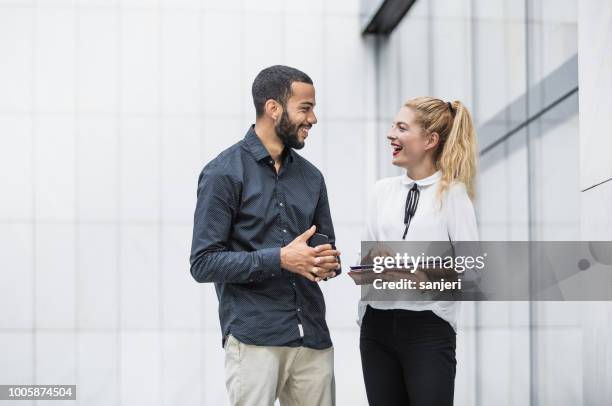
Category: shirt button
[299,310]
[271,162]
[281,204]
[284,231]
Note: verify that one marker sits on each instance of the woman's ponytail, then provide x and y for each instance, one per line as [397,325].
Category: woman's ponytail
[457,160]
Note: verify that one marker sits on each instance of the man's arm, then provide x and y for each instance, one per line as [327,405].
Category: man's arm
[211,260]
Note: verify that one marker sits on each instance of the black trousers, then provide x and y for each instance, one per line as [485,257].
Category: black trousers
[408,358]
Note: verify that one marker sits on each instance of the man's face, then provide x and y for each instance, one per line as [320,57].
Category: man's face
[298,115]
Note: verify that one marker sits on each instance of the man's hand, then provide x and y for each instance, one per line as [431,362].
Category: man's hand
[314,264]
[326,255]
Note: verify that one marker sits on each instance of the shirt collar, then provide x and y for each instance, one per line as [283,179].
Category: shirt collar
[430,180]
[257,149]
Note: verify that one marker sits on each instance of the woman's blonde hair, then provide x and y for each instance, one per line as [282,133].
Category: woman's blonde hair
[455,155]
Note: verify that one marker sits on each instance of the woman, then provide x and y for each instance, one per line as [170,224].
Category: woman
[408,347]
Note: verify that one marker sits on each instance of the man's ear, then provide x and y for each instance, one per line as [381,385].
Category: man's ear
[273,109]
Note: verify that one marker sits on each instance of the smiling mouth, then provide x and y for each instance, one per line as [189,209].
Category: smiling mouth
[396,149]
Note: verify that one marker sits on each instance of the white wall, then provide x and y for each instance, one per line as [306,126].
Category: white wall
[108,111]
[595,64]
[110,108]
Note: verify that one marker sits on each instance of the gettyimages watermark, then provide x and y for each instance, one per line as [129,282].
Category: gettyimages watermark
[410,262]
[485,270]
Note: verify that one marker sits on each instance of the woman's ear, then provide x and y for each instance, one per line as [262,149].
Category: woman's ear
[432,141]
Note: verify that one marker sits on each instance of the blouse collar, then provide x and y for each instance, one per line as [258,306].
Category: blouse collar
[430,180]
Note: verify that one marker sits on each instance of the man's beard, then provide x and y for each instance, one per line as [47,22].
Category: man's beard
[288,132]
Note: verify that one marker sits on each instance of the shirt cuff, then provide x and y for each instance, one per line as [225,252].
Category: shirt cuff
[268,263]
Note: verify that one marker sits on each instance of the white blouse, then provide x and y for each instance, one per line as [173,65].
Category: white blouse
[455,220]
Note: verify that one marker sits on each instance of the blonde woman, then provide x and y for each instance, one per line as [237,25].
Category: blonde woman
[408,347]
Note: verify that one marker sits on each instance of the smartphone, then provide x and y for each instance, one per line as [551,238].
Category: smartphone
[318,239]
[366,267]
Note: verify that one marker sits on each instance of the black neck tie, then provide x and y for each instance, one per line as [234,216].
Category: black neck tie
[412,200]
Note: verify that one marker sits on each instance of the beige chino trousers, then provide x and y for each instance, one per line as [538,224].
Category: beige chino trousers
[297,376]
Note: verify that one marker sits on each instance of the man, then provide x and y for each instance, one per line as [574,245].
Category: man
[259,203]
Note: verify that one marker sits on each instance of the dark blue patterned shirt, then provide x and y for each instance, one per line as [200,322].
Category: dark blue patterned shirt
[245,212]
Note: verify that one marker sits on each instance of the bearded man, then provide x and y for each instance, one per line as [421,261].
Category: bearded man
[258,205]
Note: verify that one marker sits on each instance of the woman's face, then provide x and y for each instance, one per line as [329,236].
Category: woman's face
[409,142]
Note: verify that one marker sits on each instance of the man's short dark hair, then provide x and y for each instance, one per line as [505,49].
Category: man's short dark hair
[275,83]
